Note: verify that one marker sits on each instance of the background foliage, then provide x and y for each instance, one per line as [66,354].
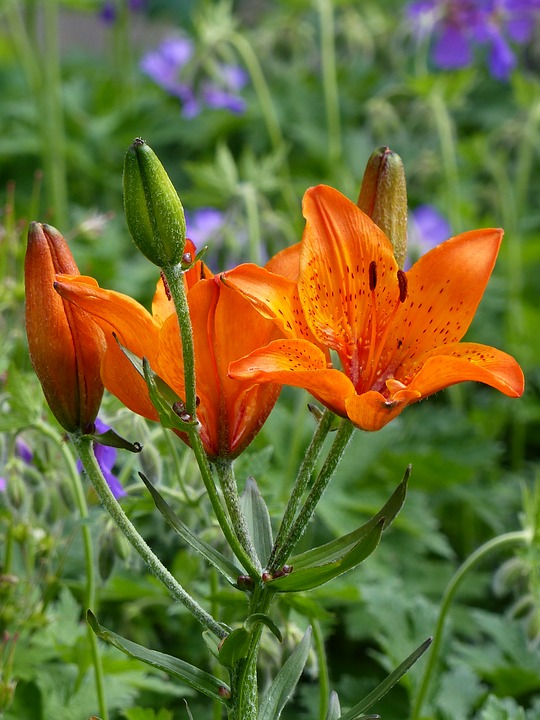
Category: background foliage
[326,82]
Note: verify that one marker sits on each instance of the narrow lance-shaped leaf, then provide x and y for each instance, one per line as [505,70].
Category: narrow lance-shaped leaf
[309,577]
[285,681]
[258,520]
[189,674]
[337,548]
[213,556]
[380,691]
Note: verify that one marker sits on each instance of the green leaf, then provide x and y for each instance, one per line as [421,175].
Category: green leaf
[235,647]
[147,714]
[193,676]
[380,691]
[163,397]
[334,708]
[258,520]
[258,618]
[309,577]
[285,681]
[213,556]
[110,438]
[340,546]
[25,401]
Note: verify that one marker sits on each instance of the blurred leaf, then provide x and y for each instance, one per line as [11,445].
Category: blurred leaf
[24,398]
[257,519]
[275,698]
[334,709]
[501,709]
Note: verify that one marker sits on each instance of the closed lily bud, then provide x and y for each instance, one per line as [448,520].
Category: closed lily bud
[154,213]
[65,345]
[383,196]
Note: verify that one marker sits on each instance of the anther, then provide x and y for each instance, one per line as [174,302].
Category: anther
[372,275]
[402,282]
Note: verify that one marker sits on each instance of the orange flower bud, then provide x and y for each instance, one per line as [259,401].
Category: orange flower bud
[65,345]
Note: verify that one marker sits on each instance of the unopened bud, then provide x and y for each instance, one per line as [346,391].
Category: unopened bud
[154,213]
[383,196]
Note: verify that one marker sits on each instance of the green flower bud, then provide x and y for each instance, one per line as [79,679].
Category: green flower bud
[154,213]
[383,196]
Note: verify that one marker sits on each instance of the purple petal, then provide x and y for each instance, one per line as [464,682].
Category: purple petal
[429,227]
[204,224]
[23,450]
[219,99]
[501,58]
[108,12]
[452,49]
[234,77]
[3,484]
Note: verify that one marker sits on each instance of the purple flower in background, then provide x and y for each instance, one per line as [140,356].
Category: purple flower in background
[458,26]
[204,225]
[427,228]
[22,451]
[108,9]
[169,67]
[106,458]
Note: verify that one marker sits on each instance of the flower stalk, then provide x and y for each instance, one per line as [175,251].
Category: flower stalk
[83,444]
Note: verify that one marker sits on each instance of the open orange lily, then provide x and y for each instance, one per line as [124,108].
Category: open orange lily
[397,334]
[225,327]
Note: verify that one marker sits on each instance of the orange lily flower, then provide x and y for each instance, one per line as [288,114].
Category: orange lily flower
[397,334]
[65,348]
[225,327]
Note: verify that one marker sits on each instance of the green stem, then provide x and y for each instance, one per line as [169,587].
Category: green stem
[302,479]
[329,75]
[245,686]
[221,516]
[83,443]
[90,591]
[324,679]
[251,61]
[249,195]
[54,145]
[520,536]
[341,441]
[230,492]
[175,281]
[445,131]
[253,66]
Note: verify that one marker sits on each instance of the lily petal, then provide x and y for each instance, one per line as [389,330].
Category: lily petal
[371,411]
[121,316]
[274,296]
[468,361]
[299,363]
[339,245]
[444,290]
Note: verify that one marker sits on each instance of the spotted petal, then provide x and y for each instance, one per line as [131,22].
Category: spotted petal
[299,363]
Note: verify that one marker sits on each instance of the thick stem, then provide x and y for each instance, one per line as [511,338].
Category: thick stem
[521,536]
[83,443]
[302,479]
[245,692]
